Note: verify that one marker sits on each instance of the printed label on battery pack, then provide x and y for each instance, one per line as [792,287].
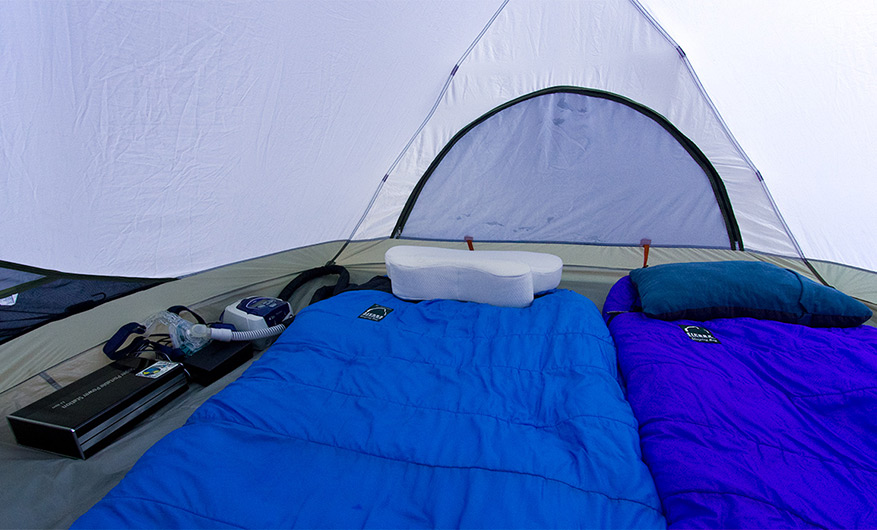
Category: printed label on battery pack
[157,370]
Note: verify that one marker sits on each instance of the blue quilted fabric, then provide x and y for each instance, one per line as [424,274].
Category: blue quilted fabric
[730,289]
[766,425]
[374,412]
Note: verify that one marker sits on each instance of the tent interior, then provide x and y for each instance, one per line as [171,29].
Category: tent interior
[159,154]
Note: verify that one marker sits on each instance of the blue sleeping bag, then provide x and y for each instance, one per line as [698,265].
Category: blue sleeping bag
[752,423]
[374,412]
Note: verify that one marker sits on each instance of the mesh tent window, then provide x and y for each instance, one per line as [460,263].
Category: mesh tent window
[31,297]
[572,165]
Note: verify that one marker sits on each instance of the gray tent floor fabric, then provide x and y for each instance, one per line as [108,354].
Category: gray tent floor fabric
[43,490]
[51,491]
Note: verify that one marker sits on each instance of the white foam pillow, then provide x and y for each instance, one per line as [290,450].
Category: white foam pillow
[546,268]
[502,278]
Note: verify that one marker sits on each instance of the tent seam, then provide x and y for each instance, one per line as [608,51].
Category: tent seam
[726,130]
[419,130]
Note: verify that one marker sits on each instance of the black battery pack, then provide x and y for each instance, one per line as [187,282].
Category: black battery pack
[217,359]
[86,415]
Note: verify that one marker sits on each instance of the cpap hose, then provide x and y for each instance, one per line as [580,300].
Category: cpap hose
[227,335]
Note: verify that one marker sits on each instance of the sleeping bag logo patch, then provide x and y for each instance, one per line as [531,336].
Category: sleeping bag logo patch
[699,334]
[376,313]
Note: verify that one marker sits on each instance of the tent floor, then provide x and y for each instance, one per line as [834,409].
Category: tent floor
[43,490]
[50,491]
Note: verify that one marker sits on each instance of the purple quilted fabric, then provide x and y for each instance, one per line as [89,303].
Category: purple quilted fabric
[767,425]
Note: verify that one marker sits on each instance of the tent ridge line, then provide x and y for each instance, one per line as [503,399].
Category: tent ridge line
[684,57]
[728,134]
[422,126]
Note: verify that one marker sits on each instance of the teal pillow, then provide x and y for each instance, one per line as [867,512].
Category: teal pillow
[730,289]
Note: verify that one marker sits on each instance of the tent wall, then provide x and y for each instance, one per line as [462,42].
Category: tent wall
[592,269]
[141,138]
[588,269]
[31,297]
[30,354]
[160,139]
[795,82]
[575,166]
[611,46]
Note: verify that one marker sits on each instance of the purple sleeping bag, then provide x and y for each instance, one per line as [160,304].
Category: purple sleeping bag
[748,423]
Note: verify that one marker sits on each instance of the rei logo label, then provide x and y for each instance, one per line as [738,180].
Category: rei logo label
[699,334]
[376,313]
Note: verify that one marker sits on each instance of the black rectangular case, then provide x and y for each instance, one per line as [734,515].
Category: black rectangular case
[88,414]
[217,359]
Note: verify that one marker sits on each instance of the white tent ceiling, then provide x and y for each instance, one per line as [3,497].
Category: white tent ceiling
[148,138]
[796,83]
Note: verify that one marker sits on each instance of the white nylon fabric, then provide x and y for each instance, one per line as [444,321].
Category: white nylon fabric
[147,138]
[795,82]
[517,56]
